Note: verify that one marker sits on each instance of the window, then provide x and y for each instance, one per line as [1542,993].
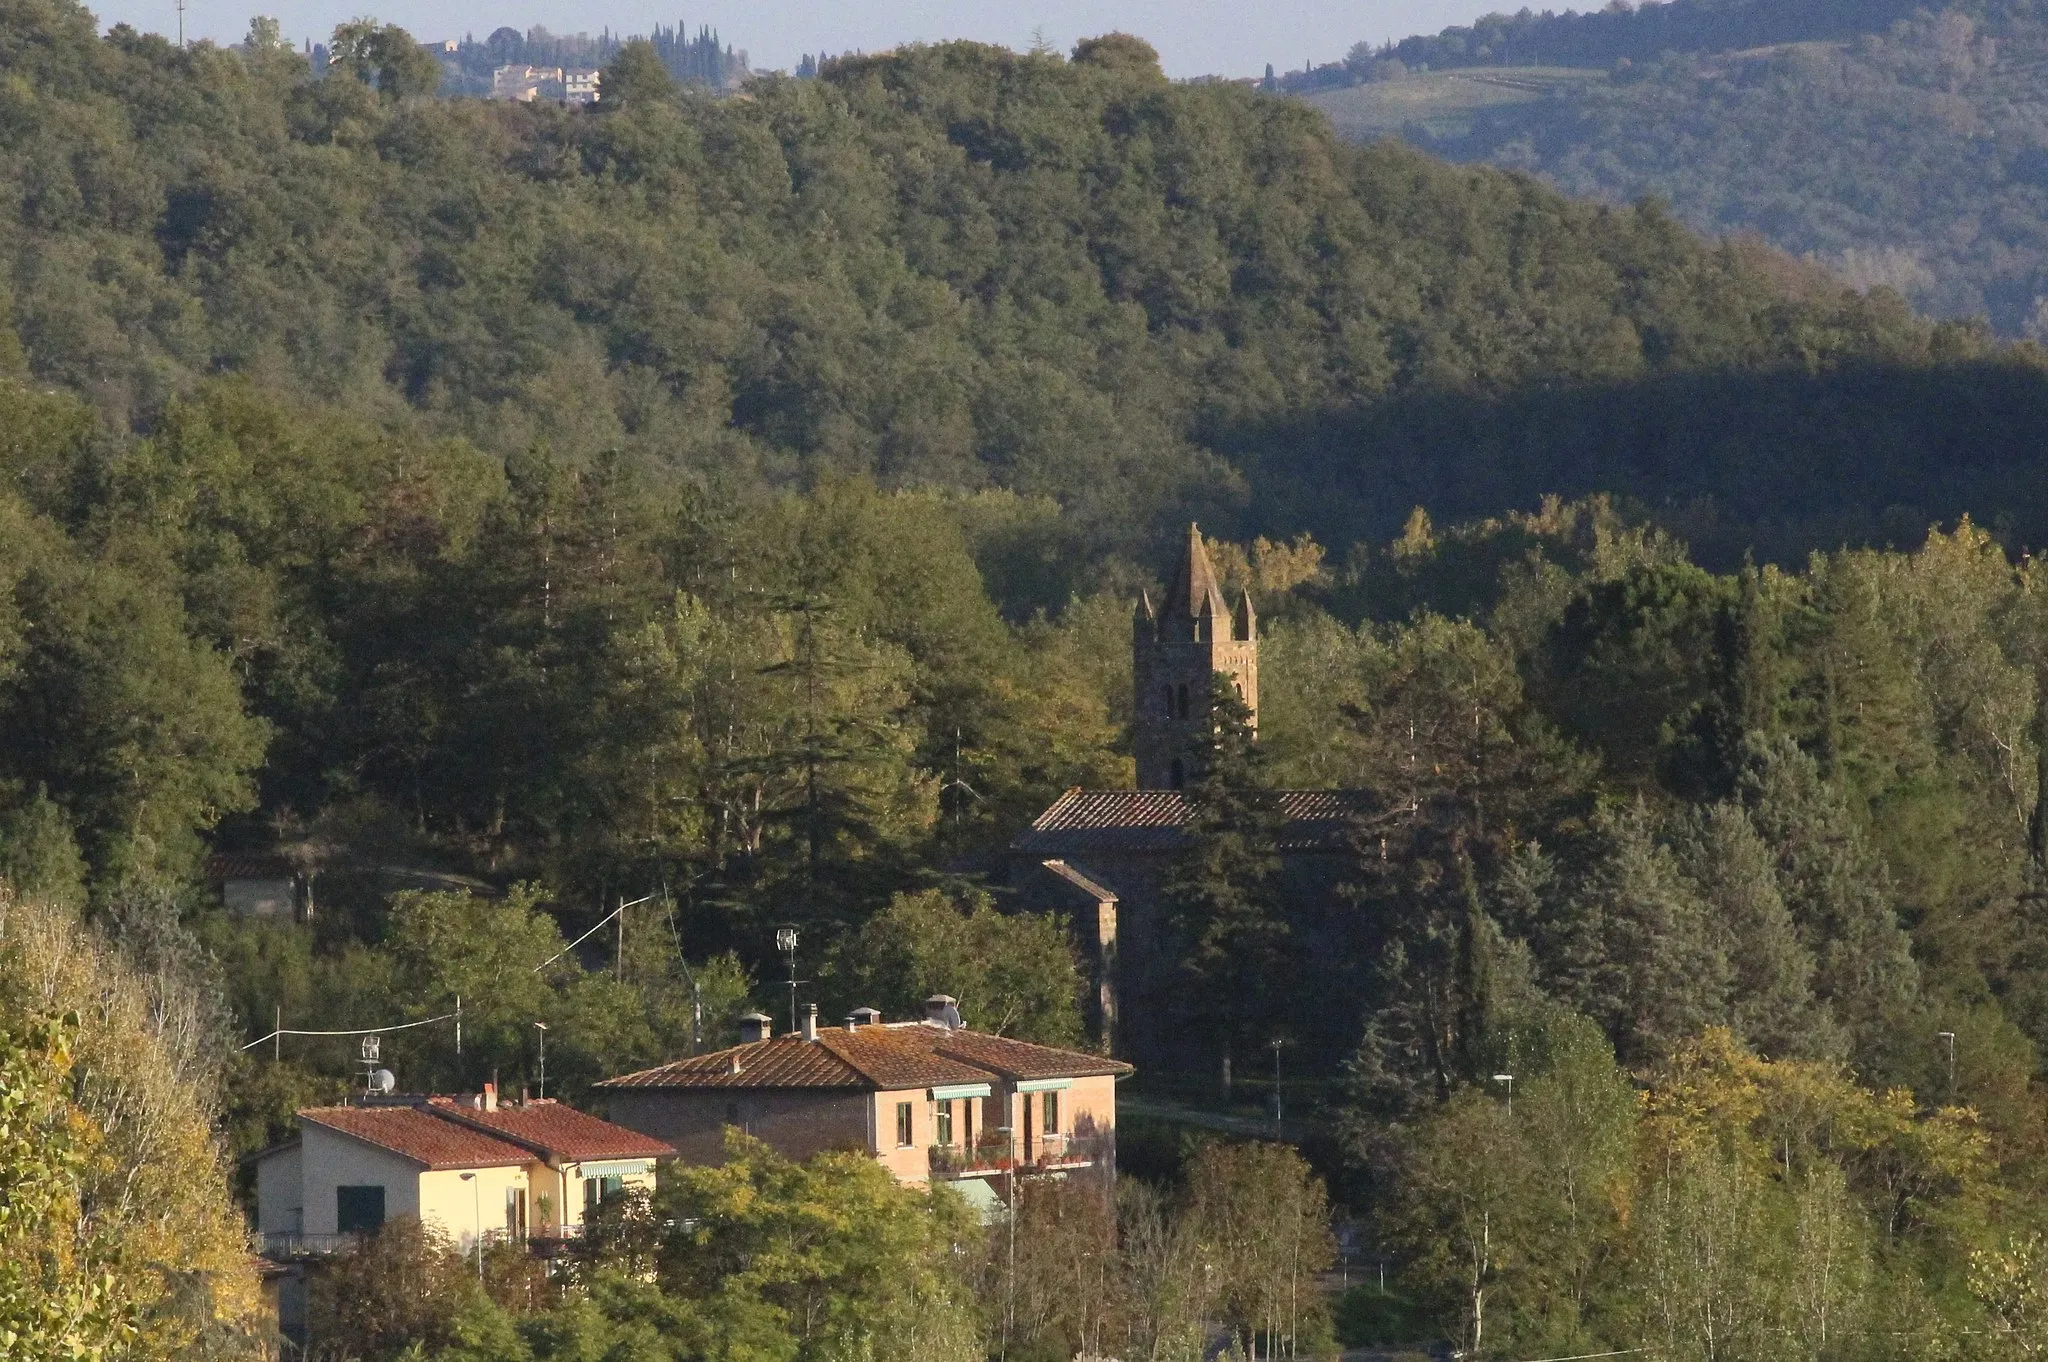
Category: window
[1179,775]
[1051,1102]
[944,1133]
[732,1113]
[1183,702]
[515,1213]
[358,1210]
[903,1127]
[1166,700]
[597,1191]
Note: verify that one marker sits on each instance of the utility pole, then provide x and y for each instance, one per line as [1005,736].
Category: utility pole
[543,1028]
[1508,1079]
[181,25]
[1950,1037]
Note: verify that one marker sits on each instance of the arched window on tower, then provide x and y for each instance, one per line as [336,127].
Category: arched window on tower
[1166,701]
[1183,701]
[1178,776]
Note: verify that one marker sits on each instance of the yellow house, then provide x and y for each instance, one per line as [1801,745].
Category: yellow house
[472,1168]
[928,1100]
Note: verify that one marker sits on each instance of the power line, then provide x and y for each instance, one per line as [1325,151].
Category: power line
[457,1013]
[353,1031]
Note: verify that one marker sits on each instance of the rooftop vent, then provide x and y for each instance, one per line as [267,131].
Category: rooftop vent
[862,1016]
[943,1010]
[810,1021]
[755,1027]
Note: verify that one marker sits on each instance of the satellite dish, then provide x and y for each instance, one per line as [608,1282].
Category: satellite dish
[383,1081]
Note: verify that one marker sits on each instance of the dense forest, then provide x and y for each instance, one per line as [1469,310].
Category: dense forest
[735,509]
[1896,146]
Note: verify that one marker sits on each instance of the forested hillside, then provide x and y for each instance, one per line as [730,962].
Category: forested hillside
[1900,148]
[736,507]
[953,268]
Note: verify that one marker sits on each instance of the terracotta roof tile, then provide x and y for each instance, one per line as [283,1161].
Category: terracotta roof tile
[1083,821]
[418,1135]
[874,1057]
[1015,1059]
[562,1133]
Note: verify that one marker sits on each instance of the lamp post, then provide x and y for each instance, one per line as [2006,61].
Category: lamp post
[1278,1108]
[1950,1037]
[476,1198]
[1508,1079]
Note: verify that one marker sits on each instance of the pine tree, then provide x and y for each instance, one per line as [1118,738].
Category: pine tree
[1646,960]
[1838,893]
[1221,893]
[1771,1002]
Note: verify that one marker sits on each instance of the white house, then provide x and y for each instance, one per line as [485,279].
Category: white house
[471,1167]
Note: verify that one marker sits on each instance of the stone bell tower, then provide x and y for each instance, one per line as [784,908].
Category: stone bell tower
[1175,651]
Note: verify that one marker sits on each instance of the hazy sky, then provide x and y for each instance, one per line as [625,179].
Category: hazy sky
[1194,37]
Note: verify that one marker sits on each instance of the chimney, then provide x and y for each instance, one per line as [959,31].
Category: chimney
[490,1097]
[942,1009]
[755,1027]
[862,1016]
[810,1021]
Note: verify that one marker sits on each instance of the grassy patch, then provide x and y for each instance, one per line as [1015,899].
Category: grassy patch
[1442,102]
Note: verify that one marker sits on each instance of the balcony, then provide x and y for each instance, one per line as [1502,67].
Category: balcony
[997,1153]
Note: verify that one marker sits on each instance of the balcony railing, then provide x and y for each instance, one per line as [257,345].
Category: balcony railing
[1001,1154]
[283,1246]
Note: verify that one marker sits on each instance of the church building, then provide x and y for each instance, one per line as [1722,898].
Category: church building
[1101,856]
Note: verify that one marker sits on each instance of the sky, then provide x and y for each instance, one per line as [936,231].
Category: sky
[1194,37]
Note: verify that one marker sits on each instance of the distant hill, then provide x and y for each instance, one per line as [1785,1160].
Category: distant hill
[1623,32]
[1912,155]
[965,269]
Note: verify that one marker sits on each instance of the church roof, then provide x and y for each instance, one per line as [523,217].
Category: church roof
[1081,822]
[1193,586]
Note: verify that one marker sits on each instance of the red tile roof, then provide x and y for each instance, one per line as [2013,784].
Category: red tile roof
[562,1134]
[419,1135]
[1083,821]
[915,1055]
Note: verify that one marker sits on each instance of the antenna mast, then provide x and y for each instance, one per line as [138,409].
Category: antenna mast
[181,25]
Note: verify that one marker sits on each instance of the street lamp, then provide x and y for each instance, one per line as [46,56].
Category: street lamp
[785,941]
[476,1199]
[1278,1111]
[1950,1037]
[1508,1079]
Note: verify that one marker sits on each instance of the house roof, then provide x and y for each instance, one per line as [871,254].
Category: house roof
[1155,821]
[249,866]
[904,1055]
[562,1134]
[421,1136]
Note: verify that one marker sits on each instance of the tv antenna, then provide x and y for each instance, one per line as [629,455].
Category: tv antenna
[181,24]
[958,783]
[785,941]
[377,1079]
